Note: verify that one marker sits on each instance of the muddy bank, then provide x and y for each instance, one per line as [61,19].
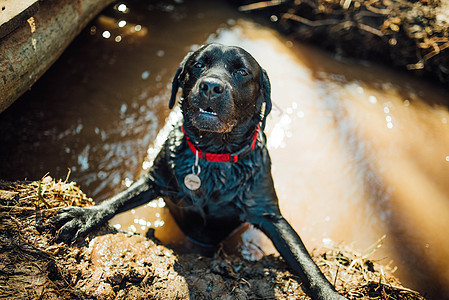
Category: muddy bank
[410,35]
[116,265]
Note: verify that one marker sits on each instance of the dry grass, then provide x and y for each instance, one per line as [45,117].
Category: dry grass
[47,193]
[358,276]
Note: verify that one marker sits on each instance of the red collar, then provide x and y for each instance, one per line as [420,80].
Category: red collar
[225,157]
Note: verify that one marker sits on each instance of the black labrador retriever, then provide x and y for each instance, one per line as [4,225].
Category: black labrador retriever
[214,170]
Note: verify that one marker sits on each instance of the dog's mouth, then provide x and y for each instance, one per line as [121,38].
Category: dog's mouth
[208,120]
[208,111]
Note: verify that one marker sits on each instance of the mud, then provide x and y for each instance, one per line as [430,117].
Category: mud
[109,264]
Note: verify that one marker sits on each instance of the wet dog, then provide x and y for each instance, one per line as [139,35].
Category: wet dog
[214,170]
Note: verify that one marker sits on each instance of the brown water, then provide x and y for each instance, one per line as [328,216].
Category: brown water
[358,151]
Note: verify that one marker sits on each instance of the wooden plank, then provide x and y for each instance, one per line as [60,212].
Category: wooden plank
[27,52]
[14,12]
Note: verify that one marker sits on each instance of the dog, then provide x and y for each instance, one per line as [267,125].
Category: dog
[214,170]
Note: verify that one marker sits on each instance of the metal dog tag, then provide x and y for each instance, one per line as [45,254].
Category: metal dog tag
[192,181]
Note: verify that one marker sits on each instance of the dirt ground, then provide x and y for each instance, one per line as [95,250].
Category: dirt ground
[117,265]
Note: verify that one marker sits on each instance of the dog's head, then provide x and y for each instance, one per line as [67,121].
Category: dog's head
[223,87]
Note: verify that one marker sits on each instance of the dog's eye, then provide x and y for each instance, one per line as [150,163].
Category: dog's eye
[242,72]
[198,65]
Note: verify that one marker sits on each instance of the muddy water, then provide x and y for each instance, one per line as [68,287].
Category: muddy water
[359,152]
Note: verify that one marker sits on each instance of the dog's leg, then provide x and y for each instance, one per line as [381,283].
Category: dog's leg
[292,249]
[74,222]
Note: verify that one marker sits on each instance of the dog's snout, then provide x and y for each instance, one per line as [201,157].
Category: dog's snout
[212,87]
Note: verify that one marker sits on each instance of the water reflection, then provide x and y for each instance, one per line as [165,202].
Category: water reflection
[122,8]
[119,30]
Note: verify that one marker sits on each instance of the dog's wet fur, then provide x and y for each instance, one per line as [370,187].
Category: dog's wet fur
[225,99]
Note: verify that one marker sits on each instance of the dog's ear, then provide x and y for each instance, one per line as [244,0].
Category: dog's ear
[175,87]
[265,91]
[178,81]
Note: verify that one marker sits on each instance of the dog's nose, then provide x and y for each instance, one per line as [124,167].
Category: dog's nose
[212,87]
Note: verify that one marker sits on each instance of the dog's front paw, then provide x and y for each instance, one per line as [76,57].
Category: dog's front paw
[74,222]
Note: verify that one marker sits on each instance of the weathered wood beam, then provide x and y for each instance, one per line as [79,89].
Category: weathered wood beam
[28,51]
